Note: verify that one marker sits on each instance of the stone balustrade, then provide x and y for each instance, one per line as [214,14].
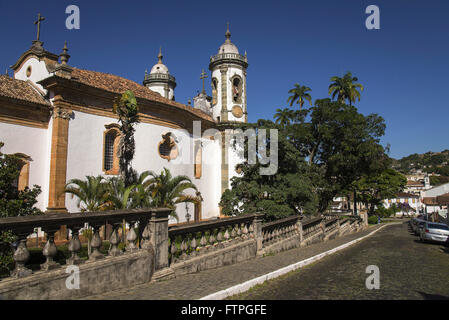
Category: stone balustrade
[153,250]
[138,236]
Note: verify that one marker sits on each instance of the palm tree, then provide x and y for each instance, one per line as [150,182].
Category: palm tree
[168,191]
[92,193]
[345,88]
[299,94]
[126,109]
[283,116]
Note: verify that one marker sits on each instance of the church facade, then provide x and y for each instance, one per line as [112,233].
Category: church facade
[59,119]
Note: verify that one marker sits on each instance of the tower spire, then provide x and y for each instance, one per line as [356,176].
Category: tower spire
[160,56]
[228,34]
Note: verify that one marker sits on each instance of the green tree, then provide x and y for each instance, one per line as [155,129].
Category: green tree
[345,88]
[13,202]
[168,191]
[92,193]
[127,110]
[288,192]
[299,94]
[376,187]
[283,116]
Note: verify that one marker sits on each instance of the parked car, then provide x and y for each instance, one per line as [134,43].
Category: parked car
[416,223]
[433,231]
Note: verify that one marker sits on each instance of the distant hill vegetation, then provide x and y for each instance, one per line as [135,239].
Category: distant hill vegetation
[429,162]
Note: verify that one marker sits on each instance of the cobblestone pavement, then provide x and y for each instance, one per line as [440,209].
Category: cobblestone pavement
[198,285]
[408,269]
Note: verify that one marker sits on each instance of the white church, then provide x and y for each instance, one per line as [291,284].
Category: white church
[58,118]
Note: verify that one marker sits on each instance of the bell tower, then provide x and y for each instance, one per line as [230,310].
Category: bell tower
[228,69]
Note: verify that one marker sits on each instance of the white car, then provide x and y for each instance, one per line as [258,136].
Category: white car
[433,231]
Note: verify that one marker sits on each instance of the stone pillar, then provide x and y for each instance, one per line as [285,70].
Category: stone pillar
[224,94]
[58,160]
[159,239]
[224,163]
[300,231]
[257,225]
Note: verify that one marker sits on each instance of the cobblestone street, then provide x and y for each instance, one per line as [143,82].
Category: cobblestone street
[408,270]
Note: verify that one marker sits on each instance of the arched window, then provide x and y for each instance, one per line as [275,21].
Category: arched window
[197,168]
[236,89]
[23,179]
[110,147]
[214,91]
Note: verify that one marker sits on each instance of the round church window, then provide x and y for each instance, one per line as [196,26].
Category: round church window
[28,72]
[167,148]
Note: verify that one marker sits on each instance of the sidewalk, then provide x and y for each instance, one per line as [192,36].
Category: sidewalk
[197,285]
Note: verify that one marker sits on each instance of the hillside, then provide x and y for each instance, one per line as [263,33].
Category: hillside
[430,162]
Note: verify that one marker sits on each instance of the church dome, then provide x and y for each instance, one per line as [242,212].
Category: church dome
[159,67]
[228,46]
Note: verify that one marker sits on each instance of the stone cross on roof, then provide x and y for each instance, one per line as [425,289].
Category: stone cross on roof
[38,22]
[202,77]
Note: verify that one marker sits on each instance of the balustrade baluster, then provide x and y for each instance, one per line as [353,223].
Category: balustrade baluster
[20,257]
[245,231]
[74,247]
[114,240]
[173,250]
[145,242]
[131,237]
[251,231]
[49,251]
[96,244]
[226,234]
[193,245]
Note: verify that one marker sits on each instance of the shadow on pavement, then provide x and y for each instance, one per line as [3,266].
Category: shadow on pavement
[428,296]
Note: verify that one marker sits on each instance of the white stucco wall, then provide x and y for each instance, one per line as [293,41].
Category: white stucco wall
[160,88]
[216,73]
[437,191]
[38,71]
[33,142]
[85,154]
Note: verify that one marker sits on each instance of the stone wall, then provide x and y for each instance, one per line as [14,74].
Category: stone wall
[154,251]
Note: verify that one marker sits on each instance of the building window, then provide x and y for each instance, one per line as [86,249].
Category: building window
[198,160]
[110,148]
[167,147]
[22,181]
[214,91]
[236,89]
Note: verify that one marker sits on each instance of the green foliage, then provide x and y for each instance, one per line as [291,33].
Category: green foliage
[375,187]
[323,151]
[288,192]
[13,202]
[345,88]
[438,180]
[299,94]
[372,220]
[146,190]
[127,110]
[168,191]
[430,162]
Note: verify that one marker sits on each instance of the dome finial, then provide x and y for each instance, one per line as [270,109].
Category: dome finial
[228,34]
[160,56]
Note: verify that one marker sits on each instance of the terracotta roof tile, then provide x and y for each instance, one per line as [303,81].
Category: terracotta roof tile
[116,84]
[20,90]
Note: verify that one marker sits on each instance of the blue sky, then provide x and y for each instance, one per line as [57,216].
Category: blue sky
[404,66]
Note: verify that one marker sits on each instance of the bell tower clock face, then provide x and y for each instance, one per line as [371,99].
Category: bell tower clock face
[237,111]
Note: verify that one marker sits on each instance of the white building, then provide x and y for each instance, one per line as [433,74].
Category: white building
[59,119]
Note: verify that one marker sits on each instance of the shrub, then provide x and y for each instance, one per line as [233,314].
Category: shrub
[372,220]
